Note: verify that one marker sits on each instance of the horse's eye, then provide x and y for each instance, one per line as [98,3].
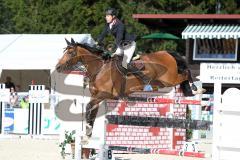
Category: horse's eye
[69,52]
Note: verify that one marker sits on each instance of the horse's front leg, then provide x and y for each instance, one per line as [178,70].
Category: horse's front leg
[91,113]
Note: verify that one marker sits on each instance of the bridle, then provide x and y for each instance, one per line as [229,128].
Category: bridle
[73,54]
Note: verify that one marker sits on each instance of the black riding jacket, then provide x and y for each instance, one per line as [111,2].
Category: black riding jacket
[118,31]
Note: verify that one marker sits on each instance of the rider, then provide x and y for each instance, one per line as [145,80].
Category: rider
[115,27]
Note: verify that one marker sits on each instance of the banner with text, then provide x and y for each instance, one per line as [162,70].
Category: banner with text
[220,72]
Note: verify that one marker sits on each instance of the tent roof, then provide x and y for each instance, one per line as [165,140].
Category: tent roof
[211,31]
[34,51]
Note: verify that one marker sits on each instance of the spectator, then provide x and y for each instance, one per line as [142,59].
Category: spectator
[13,101]
[24,103]
[9,83]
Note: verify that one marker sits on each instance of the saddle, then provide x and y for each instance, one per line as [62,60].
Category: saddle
[135,67]
[138,65]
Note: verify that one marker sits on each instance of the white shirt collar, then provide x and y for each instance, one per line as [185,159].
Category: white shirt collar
[112,23]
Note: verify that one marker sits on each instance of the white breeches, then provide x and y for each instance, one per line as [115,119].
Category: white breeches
[127,54]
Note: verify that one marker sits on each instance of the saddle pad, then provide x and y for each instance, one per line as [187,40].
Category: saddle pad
[138,64]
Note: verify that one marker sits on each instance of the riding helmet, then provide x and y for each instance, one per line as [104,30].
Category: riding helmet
[111,11]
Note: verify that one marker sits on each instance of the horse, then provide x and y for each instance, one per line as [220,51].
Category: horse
[163,69]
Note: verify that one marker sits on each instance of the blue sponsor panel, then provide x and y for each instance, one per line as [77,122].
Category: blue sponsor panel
[8,121]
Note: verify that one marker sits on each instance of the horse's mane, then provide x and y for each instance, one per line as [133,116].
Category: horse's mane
[92,49]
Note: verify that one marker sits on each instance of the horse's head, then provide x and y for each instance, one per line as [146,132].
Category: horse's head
[70,58]
[78,56]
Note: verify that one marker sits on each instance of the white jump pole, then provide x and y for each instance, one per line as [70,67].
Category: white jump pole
[79,133]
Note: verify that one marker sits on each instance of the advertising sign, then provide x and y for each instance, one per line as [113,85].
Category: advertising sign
[220,72]
[8,120]
[38,96]
[4,95]
[50,123]
[21,117]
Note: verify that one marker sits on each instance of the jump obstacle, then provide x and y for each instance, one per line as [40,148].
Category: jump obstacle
[159,122]
[165,100]
[154,123]
[156,151]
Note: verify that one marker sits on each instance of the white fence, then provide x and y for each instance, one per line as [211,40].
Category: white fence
[37,119]
[226,113]
[226,130]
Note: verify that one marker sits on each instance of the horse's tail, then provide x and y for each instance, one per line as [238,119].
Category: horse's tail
[182,65]
[184,69]
[181,62]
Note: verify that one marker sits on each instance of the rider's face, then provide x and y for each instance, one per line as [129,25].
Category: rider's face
[109,18]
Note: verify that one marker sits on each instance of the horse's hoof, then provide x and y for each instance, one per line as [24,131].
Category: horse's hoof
[85,140]
[89,129]
[194,88]
[199,91]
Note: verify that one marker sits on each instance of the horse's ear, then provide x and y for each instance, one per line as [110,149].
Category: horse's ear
[72,41]
[68,43]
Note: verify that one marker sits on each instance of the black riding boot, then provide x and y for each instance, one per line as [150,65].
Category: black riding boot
[139,74]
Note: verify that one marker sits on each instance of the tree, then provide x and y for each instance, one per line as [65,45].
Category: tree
[6,25]
[87,16]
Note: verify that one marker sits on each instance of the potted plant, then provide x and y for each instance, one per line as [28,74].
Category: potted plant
[69,138]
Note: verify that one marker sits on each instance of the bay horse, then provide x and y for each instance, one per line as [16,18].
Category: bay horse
[164,69]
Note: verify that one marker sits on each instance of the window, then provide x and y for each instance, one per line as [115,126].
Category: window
[215,49]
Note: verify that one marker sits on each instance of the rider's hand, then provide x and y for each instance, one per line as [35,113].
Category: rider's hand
[98,46]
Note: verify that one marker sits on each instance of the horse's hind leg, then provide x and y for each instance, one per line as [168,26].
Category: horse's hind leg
[186,89]
[185,84]
[193,86]
[190,79]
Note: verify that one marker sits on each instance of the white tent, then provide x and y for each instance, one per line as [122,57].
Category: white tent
[34,51]
[28,57]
